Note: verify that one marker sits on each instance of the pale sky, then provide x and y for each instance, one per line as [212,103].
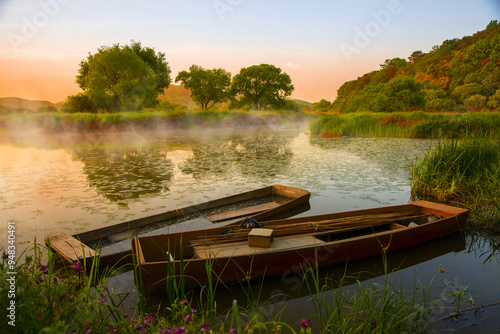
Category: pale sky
[320,44]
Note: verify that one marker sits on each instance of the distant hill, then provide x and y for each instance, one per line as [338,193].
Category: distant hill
[33,105]
[179,95]
[460,74]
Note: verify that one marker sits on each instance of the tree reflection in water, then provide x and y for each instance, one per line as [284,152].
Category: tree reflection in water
[258,156]
[121,174]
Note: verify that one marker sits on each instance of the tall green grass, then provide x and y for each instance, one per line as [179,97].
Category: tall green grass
[382,307]
[463,172]
[410,124]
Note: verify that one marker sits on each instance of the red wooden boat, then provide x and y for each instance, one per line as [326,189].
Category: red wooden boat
[290,244]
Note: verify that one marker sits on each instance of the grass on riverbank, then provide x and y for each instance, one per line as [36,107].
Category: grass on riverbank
[409,124]
[463,172]
[49,300]
[70,122]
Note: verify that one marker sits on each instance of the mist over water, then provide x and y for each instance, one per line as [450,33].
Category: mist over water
[73,183]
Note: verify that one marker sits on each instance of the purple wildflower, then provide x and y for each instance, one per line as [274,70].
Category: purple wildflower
[102,299]
[77,266]
[305,323]
[187,319]
[139,327]
[185,302]
[125,315]
[149,319]
[181,330]
[205,328]
[39,314]
[54,280]
[42,268]
[233,331]
[5,256]
[193,311]
[111,329]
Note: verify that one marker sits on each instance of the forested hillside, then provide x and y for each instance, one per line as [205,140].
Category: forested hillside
[458,75]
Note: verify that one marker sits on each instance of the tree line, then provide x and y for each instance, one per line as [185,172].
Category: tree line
[458,75]
[131,77]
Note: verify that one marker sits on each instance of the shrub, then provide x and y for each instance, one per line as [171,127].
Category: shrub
[475,102]
[47,109]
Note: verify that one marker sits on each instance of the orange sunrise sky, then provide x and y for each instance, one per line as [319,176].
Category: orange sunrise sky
[320,44]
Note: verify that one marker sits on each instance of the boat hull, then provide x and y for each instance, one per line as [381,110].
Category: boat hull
[76,247]
[229,265]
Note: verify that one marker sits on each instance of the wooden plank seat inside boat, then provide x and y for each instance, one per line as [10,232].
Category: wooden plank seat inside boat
[241,247]
[70,248]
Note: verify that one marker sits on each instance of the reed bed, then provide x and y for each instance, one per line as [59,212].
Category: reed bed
[409,124]
[466,173]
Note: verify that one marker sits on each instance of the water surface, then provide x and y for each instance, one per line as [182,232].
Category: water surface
[74,184]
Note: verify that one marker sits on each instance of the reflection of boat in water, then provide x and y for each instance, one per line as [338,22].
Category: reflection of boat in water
[113,242]
[291,244]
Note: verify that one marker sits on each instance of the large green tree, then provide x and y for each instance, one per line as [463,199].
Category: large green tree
[126,77]
[207,87]
[262,86]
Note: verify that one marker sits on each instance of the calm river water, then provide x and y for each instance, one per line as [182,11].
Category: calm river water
[72,184]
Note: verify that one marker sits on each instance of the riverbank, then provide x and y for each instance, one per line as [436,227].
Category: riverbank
[57,122]
[416,124]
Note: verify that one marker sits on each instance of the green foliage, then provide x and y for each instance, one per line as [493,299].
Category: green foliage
[494,101]
[207,87]
[458,69]
[292,105]
[475,102]
[123,78]
[260,87]
[6,110]
[322,105]
[79,102]
[47,109]
[462,93]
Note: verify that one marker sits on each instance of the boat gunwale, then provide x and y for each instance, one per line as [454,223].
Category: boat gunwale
[276,189]
[298,197]
[327,244]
